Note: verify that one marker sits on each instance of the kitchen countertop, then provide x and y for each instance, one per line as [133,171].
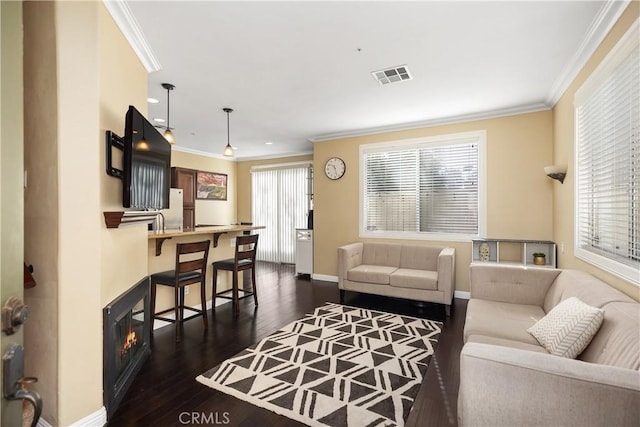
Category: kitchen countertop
[216,230]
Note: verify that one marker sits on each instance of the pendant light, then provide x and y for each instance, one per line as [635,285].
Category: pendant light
[167,133]
[228,150]
[142,144]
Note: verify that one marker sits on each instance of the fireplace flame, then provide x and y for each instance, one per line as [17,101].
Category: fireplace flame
[130,340]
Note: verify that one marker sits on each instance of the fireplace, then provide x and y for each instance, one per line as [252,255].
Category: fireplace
[126,341]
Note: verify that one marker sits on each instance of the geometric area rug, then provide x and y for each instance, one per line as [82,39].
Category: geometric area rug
[338,366]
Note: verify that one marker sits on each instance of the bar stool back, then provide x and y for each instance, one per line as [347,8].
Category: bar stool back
[245,259]
[191,267]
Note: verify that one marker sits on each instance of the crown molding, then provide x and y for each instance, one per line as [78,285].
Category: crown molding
[202,153]
[122,15]
[505,112]
[235,158]
[276,156]
[606,18]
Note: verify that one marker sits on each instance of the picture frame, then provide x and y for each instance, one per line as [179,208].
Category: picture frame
[211,186]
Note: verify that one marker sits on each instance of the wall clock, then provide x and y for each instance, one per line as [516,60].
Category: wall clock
[334,168]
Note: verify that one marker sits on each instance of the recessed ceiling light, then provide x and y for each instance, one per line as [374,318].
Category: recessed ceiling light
[159,120]
[399,73]
[269,143]
[152,101]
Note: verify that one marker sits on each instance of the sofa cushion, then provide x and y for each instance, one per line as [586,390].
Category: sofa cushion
[415,279]
[378,274]
[580,284]
[501,320]
[483,339]
[617,343]
[568,328]
[420,257]
[387,254]
[510,283]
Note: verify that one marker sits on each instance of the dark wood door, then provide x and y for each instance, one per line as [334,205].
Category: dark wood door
[186,180]
[188,218]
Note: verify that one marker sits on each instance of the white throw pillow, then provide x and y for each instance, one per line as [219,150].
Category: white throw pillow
[568,328]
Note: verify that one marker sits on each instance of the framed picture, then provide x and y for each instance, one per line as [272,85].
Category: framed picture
[211,186]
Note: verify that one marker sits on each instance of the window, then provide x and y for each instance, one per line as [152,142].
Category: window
[607,130]
[427,188]
[280,200]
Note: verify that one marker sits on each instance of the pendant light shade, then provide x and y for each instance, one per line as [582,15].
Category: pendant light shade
[228,150]
[168,135]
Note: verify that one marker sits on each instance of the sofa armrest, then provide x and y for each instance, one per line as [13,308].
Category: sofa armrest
[511,284]
[349,256]
[502,386]
[447,273]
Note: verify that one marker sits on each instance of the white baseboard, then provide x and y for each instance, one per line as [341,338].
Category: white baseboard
[97,419]
[462,294]
[324,277]
[43,423]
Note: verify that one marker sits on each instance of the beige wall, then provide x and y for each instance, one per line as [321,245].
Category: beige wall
[79,250]
[519,195]
[41,201]
[75,94]
[120,86]
[219,212]
[563,153]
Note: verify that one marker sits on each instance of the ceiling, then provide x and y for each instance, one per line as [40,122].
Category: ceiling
[297,72]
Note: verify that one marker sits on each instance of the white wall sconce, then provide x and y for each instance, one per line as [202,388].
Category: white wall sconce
[556,172]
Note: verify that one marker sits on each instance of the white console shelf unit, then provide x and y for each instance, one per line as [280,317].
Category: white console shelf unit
[514,251]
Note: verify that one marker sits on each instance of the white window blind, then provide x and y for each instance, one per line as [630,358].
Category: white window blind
[427,189]
[280,201]
[608,162]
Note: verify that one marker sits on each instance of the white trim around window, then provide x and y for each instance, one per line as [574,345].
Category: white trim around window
[607,159]
[432,142]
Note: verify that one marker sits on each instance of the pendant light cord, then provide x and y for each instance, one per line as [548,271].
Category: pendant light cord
[168,109]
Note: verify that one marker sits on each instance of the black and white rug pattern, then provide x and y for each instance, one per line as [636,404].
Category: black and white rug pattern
[339,366]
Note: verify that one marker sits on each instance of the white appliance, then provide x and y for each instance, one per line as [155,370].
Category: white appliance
[172,217]
[304,251]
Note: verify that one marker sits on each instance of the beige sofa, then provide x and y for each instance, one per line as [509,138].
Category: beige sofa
[423,273]
[508,379]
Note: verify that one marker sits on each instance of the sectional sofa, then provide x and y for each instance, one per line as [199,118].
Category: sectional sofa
[507,378]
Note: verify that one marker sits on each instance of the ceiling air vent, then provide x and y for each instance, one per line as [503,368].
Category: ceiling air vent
[392,75]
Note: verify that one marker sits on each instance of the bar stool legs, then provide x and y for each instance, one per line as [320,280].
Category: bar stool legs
[245,257]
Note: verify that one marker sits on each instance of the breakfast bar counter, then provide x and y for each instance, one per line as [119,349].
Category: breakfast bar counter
[215,230]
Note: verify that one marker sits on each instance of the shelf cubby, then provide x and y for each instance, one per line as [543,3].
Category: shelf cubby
[515,252]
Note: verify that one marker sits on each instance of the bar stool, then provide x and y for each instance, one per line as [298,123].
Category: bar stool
[191,267]
[245,259]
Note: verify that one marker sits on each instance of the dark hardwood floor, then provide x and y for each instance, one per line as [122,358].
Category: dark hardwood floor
[165,392]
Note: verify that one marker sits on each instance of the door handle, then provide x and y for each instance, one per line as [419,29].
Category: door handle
[14,385]
[14,314]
